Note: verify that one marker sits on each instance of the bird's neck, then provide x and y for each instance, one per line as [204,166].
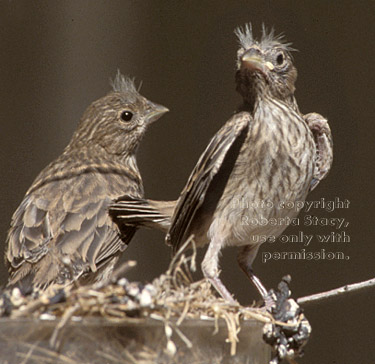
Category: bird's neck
[100,151]
[97,157]
[255,100]
[255,90]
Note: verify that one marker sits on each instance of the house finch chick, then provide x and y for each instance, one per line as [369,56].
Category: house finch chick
[61,232]
[282,82]
[268,153]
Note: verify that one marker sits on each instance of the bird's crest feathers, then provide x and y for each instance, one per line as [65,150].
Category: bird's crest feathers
[267,40]
[123,84]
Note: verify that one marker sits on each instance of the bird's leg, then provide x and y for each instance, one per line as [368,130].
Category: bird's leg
[210,270]
[245,259]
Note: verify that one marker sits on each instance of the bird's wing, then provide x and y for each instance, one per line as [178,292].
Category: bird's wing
[211,161]
[324,146]
[128,210]
[64,218]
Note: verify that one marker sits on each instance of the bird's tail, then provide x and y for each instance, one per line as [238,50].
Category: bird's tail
[142,212]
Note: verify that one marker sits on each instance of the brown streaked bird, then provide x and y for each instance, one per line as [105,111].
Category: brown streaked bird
[64,214]
[268,152]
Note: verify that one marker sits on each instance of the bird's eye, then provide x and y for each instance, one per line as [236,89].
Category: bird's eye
[280,59]
[126,115]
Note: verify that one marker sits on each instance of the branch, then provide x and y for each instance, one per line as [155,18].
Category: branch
[336,292]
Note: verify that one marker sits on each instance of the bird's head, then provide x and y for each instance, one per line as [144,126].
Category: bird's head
[264,66]
[117,121]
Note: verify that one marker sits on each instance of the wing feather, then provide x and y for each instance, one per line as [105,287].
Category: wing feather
[64,218]
[210,162]
[324,146]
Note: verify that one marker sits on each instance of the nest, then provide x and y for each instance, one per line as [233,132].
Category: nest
[171,300]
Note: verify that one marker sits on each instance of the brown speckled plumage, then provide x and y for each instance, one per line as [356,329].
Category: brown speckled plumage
[267,152]
[64,213]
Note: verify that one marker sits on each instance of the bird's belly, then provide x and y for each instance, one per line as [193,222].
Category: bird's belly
[269,182]
[250,221]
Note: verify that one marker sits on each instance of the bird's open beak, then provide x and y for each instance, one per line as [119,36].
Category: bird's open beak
[155,112]
[253,62]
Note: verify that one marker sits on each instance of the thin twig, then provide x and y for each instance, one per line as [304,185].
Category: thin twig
[29,308]
[337,292]
[183,337]
[179,252]
[48,354]
[55,339]
[30,352]
[120,271]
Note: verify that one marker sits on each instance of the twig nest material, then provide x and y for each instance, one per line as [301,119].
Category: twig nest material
[171,299]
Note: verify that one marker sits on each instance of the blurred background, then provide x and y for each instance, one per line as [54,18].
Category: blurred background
[57,57]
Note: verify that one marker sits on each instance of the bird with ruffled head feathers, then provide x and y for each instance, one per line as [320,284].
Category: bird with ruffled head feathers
[267,153]
[265,67]
[61,232]
[116,122]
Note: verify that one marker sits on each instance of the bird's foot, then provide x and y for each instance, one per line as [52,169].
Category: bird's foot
[269,301]
[222,290]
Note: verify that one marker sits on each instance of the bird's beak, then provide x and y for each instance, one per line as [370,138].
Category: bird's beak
[252,62]
[155,112]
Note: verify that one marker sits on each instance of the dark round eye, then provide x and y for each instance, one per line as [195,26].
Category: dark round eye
[126,115]
[280,59]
